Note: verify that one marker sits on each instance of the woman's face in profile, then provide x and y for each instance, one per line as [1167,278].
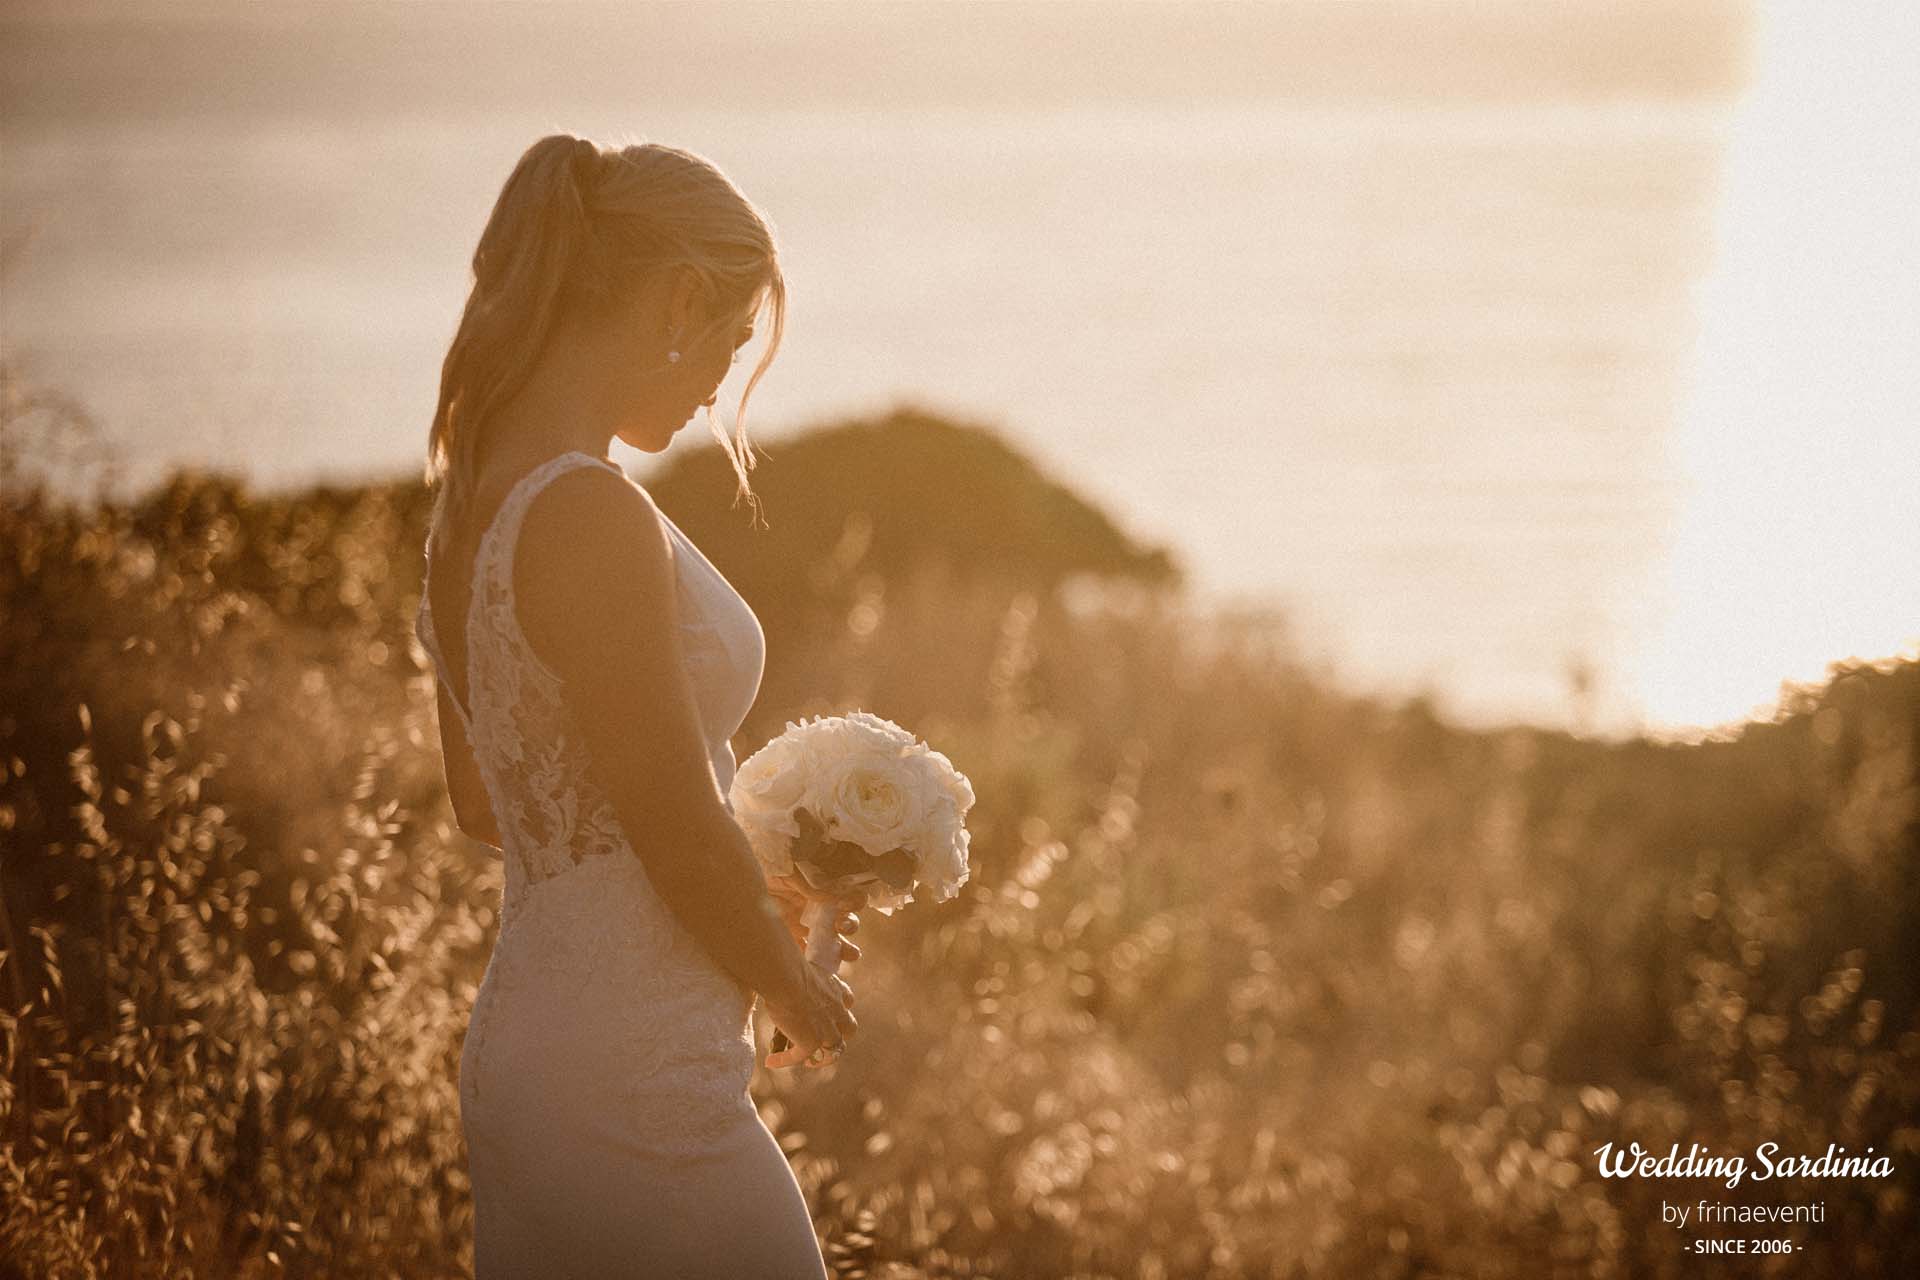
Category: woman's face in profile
[661,397]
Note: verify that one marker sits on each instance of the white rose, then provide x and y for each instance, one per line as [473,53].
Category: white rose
[952,781]
[768,784]
[942,851]
[839,736]
[873,796]
[817,743]
[880,728]
[773,849]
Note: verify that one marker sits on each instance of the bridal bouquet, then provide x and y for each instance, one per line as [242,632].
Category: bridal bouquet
[850,803]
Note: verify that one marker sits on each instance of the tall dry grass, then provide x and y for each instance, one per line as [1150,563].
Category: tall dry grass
[1252,978]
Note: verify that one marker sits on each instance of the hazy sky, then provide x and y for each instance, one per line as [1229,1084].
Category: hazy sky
[1800,532]
[232,221]
[64,61]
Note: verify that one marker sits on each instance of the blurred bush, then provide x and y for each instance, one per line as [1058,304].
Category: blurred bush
[1252,977]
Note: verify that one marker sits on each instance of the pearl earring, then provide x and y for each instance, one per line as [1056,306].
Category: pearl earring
[673,357]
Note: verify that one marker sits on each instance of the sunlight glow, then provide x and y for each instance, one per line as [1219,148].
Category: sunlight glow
[1798,540]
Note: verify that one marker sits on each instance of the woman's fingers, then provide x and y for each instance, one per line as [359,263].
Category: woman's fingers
[793,903]
[816,1031]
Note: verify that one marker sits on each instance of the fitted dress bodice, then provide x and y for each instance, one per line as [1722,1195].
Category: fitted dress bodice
[550,812]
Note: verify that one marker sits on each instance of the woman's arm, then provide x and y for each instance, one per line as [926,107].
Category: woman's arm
[471,808]
[593,576]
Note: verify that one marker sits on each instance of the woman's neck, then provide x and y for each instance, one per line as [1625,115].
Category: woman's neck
[563,405]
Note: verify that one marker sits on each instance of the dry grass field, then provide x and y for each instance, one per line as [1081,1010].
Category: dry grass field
[1252,978]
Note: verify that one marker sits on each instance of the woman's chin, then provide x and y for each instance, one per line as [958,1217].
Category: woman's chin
[647,441]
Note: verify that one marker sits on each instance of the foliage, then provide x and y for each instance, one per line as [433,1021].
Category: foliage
[1252,978]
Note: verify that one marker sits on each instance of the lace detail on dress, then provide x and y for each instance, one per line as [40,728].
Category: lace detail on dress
[551,814]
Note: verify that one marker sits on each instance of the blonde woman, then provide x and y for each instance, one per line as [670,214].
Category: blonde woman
[593,666]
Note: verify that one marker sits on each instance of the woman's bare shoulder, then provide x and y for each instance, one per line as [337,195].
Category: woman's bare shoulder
[592,551]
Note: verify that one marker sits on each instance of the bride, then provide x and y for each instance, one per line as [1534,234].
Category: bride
[592,666]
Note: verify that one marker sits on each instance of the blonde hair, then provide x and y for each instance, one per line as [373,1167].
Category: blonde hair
[576,228]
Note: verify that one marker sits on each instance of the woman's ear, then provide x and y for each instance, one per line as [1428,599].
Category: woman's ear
[687,302]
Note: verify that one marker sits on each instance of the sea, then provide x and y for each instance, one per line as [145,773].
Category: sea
[1406,376]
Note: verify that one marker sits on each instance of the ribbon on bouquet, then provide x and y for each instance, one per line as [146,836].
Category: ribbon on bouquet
[823,949]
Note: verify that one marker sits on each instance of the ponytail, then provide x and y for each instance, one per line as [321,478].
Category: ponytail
[527,263]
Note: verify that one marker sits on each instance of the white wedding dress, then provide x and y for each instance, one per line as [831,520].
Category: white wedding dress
[603,1084]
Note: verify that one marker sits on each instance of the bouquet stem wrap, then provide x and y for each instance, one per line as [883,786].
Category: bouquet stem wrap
[823,949]
[823,943]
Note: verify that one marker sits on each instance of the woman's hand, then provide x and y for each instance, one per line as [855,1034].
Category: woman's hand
[793,895]
[817,1017]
